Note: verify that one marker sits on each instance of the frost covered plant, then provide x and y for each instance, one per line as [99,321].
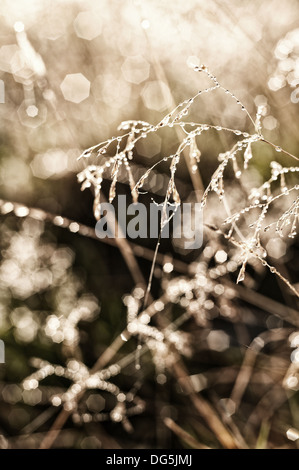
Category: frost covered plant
[109,156]
[240,223]
[31,266]
[82,380]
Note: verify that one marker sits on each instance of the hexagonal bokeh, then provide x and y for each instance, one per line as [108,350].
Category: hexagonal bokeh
[276,247]
[12,393]
[87,25]
[31,115]
[75,87]
[10,59]
[135,69]
[95,402]
[51,164]
[218,340]
[32,397]
[156,95]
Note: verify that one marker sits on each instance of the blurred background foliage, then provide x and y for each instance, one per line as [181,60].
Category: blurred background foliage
[72,70]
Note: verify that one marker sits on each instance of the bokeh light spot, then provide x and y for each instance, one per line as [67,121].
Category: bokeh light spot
[88,25]
[135,69]
[156,95]
[75,87]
